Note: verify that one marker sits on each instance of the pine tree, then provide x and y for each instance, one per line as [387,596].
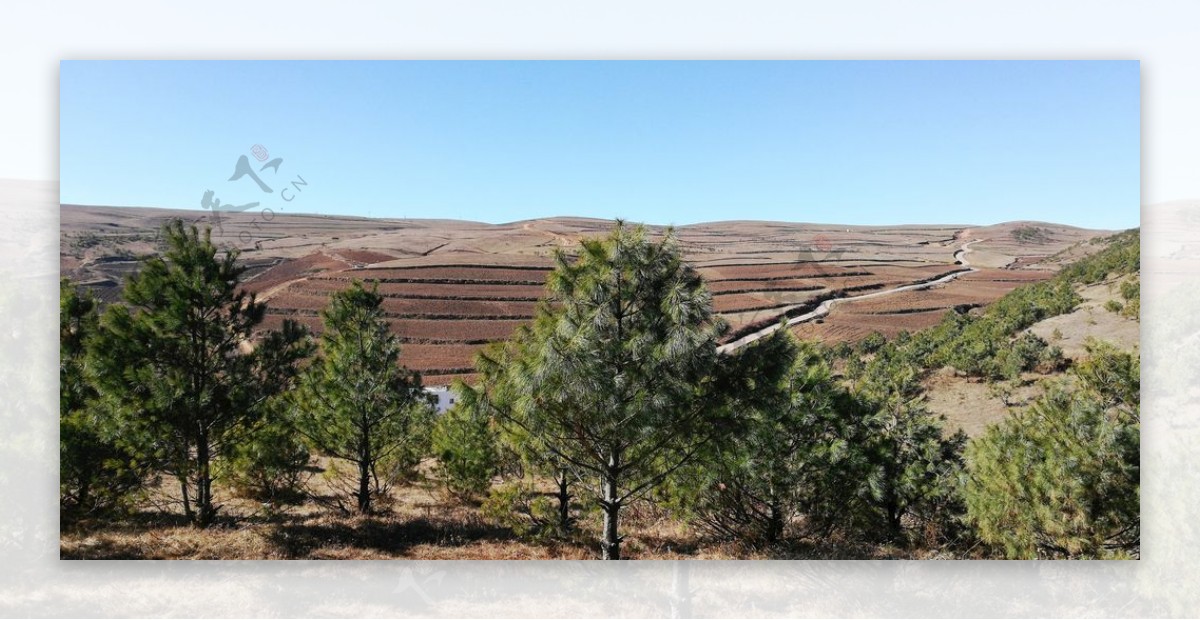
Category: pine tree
[909,467]
[180,367]
[95,473]
[357,403]
[912,468]
[1061,479]
[272,462]
[789,442]
[497,399]
[466,447]
[619,376]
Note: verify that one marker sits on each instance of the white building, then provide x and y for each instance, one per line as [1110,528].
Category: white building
[445,397]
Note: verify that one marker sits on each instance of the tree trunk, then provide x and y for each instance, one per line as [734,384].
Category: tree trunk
[364,467]
[187,500]
[204,506]
[891,506]
[564,502]
[774,523]
[892,496]
[364,487]
[85,488]
[894,525]
[610,545]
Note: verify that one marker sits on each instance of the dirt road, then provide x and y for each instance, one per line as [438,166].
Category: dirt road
[823,309]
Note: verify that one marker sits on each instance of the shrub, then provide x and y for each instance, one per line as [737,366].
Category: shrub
[1061,480]
[1131,291]
[787,457]
[97,474]
[466,448]
[271,464]
[517,506]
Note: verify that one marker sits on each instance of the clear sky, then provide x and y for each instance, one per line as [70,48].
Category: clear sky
[657,142]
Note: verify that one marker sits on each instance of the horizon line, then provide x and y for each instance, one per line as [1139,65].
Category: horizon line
[610,219]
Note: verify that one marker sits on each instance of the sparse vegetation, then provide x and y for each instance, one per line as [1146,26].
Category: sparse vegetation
[611,417]
[1061,479]
[1131,291]
[357,404]
[1031,234]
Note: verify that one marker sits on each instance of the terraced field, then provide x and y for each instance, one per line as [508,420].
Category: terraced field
[450,287]
[915,310]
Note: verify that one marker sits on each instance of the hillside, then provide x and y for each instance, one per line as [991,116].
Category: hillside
[848,412]
[452,286]
[971,390]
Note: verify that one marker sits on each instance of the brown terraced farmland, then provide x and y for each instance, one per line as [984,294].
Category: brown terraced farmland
[912,311]
[453,286]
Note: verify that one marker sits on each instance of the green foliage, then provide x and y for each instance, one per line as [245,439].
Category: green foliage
[791,454]
[1112,377]
[1113,305]
[1061,480]
[987,345]
[466,448]
[984,345]
[519,507]
[618,377]
[1131,289]
[1026,352]
[911,469]
[174,368]
[1031,234]
[271,462]
[1131,292]
[1121,255]
[870,462]
[96,475]
[872,342]
[518,454]
[357,403]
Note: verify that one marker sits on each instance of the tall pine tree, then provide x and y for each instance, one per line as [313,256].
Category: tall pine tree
[178,366]
[357,403]
[619,377]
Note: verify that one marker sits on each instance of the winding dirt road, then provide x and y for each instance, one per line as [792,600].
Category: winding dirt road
[823,309]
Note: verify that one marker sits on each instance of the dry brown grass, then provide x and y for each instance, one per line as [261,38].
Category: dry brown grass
[419,521]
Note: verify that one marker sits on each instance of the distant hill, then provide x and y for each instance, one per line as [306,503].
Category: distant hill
[452,286]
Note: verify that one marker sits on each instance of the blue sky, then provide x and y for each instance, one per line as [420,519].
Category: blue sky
[658,142]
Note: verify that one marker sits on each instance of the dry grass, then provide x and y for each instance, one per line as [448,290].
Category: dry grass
[419,521]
